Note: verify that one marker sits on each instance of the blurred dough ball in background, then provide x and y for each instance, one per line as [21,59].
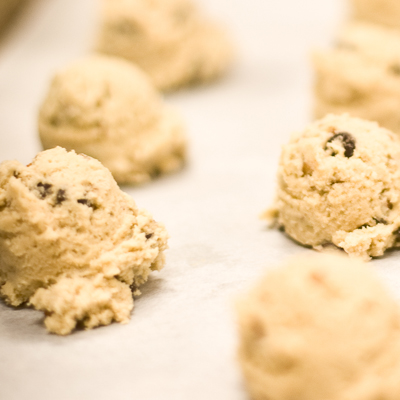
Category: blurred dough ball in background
[320,327]
[384,12]
[107,108]
[360,75]
[7,10]
[169,39]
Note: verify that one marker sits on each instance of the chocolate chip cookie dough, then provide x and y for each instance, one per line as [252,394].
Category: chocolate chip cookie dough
[320,328]
[107,108]
[339,182]
[170,40]
[71,242]
[361,75]
[384,12]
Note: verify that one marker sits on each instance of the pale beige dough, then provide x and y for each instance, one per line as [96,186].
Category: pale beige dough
[320,328]
[360,75]
[107,108]
[339,182]
[384,12]
[169,39]
[71,242]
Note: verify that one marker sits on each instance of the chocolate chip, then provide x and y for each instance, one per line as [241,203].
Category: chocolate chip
[16,174]
[85,202]
[380,221]
[377,221]
[348,142]
[397,232]
[44,189]
[88,203]
[149,235]
[395,69]
[133,287]
[60,196]
[364,226]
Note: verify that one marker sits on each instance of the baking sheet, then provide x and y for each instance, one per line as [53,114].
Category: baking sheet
[181,341]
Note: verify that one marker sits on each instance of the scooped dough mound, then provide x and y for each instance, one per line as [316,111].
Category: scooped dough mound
[107,108]
[360,75]
[71,242]
[171,40]
[320,327]
[339,182]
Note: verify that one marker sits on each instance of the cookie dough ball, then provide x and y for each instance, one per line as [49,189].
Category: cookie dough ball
[339,182]
[107,108]
[71,242]
[7,11]
[361,75]
[169,39]
[384,12]
[320,328]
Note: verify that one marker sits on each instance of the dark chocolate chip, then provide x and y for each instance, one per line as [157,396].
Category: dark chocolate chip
[60,196]
[85,202]
[133,287]
[149,235]
[348,141]
[44,189]
[16,174]
[380,221]
[364,226]
[377,221]
[88,203]
[395,69]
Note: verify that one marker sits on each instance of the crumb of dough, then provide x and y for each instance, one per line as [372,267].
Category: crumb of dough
[170,40]
[320,327]
[71,242]
[107,108]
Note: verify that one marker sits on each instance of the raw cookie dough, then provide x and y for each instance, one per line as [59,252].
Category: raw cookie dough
[107,108]
[361,75]
[320,328]
[7,10]
[71,242]
[339,182]
[169,39]
[384,12]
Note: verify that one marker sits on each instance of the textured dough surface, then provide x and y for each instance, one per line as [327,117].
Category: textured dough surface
[384,12]
[170,40]
[107,108]
[339,182]
[361,75]
[71,242]
[320,327]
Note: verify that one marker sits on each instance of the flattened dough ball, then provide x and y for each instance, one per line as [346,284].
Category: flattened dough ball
[169,39]
[339,182]
[71,242]
[107,108]
[320,327]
